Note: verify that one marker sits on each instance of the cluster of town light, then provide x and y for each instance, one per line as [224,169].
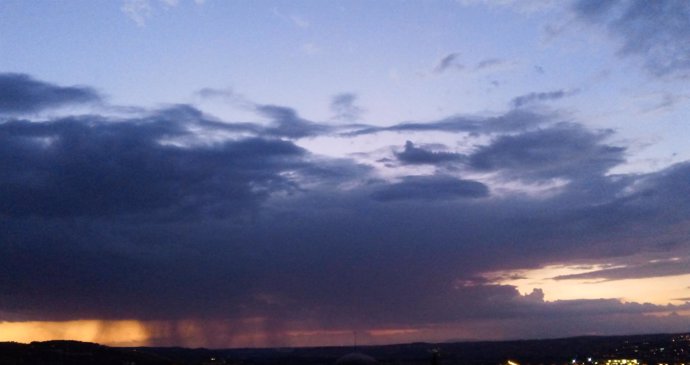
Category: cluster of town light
[622,362]
[607,362]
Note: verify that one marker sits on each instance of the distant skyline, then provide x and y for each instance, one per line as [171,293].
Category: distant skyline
[266,173]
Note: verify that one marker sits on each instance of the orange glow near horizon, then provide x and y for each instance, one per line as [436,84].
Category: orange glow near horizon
[206,333]
[656,290]
[117,333]
[190,333]
[392,331]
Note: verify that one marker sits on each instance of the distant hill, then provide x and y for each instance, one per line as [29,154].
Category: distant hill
[650,349]
[75,353]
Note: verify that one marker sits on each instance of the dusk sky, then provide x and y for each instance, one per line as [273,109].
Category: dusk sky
[287,173]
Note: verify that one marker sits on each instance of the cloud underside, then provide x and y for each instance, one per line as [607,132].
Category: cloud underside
[654,268]
[146,217]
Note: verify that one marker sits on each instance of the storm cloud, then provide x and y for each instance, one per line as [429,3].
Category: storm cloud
[173,215]
[82,166]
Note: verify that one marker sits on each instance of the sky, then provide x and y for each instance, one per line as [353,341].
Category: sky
[269,173]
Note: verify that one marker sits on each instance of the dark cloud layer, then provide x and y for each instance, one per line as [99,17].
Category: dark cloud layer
[432,188]
[19,93]
[82,166]
[418,156]
[147,218]
[564,150]
[656,31]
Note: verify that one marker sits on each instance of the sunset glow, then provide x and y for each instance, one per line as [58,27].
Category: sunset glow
[657,290]
[116,333]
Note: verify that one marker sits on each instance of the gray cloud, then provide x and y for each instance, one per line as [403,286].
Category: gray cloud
[286,123]
[563,150]
[448,62]
[489,63]
[512,121]
[208,92]
[19,93]
[656,31]
[536,97]
[431,188]
[344,107]
[418,156]
[452,62]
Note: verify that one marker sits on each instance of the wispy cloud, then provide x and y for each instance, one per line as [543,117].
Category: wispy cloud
[296,20]
[649,269]
[310,49]
[344,107]
[533,97]
[449,62]
[137,10]
[140,11]
[655,31]
[514,120]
